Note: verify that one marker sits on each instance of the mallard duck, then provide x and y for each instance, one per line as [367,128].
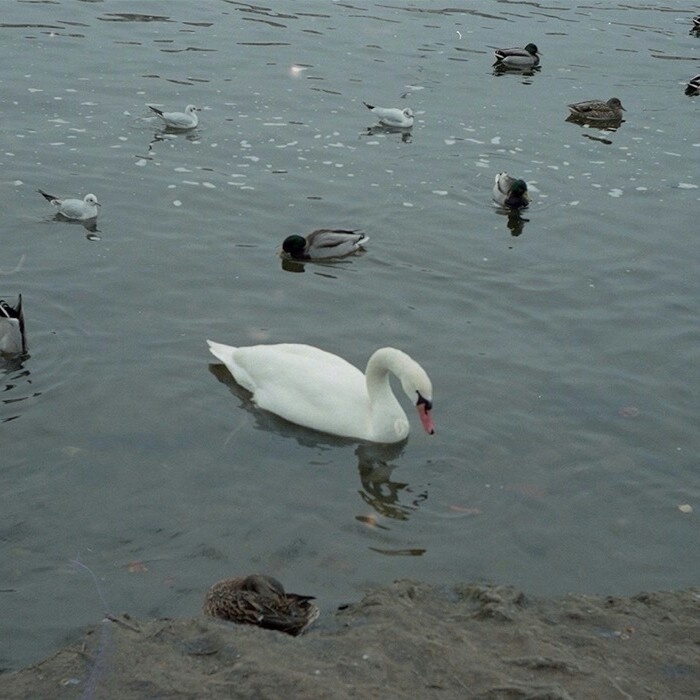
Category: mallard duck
[12,339]
[260,600]
[179,120]
[693,87]
[597,110]
[392,116]
[77,209]
[314,388]
[324,243]
[510,192]
[517,58]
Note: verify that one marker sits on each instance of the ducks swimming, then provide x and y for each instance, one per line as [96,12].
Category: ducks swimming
[314,388]
[324,243]
[262,601]
[179,120]
[75,209]
[509,192]
[597,110]
[392,116]
[517,58]
[12,338]
[693,86]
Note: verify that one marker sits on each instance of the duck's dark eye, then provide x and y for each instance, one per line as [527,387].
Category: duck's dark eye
[422,400]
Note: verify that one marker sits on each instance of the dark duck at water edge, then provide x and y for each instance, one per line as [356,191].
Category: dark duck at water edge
[262,601]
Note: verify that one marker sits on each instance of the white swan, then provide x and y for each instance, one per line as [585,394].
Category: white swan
[319,390]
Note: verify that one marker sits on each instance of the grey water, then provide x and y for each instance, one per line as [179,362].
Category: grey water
[563,348]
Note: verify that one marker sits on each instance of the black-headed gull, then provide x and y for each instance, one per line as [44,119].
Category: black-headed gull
[79,209]
[179,120]
[392,116]
[324,243]
[12,340]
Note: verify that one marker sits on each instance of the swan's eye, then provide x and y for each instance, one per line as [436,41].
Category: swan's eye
[423,401]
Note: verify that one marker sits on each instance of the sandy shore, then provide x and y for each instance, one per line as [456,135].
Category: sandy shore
[408,640]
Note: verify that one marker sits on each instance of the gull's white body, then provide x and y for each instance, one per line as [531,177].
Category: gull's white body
[78,209]
[179,120]
[12,341]
[314,388]
[392,116]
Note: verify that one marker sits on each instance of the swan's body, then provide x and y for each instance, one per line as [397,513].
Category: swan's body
[693,87]
[510,192]
[77,209]
[597,110]
[526,57]
[12,340]
[262,601]
[179,120]
[314,388]
[324,243]
[392,116]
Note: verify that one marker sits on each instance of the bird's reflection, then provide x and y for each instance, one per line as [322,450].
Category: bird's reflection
[90,225]
[378,489]
[500,69]
[14,377]
[406,133]
[610,127]
[388,498]
[514,220]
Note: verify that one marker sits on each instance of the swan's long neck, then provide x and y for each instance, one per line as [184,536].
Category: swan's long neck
[388,419]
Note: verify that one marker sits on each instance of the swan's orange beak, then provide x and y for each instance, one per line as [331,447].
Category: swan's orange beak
[425,418]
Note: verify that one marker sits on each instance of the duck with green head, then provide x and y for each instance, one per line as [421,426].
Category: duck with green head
[324,243]
[527,57]
[511,193]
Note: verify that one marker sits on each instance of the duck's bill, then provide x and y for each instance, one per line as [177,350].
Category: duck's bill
[426,419]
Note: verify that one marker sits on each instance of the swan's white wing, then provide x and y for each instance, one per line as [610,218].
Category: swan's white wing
[303,384]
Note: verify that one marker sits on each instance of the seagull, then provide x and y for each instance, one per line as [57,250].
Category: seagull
[392,116]
[78,209]
[179,120]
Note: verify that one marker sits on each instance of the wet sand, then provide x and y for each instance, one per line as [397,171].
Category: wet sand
[409,640]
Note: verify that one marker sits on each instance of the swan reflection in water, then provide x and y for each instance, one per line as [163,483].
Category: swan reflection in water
[387,497]
[378,489]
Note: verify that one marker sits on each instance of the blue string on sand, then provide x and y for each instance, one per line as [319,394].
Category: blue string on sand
[100,659]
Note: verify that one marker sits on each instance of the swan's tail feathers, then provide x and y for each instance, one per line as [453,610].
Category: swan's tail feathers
[220,351]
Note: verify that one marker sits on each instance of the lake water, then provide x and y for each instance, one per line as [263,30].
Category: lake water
[565,360]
